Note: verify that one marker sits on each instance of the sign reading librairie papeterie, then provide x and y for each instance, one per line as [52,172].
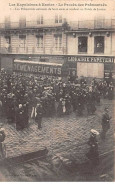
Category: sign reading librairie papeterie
[90,59]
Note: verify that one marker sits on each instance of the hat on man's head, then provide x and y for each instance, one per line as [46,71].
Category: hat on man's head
[106,109]
[2,129]
[95,132]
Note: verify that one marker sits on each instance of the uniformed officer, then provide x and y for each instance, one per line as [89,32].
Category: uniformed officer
[104,89]
[105,123]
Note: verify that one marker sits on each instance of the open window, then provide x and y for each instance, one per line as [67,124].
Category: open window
[99,44]
[82,44]
[7,42]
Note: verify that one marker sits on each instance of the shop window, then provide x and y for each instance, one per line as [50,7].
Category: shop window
[99,44]
[58,19]
[39,42]
[82,44]
[58,42]
[40,19]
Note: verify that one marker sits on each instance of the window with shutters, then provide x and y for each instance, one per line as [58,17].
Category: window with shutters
[58,42]
[39,42]
[22,41]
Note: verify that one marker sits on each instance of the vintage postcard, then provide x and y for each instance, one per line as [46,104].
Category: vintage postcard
[57,81]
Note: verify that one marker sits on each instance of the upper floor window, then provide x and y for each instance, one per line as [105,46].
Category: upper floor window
[58,19]
[8,40]
[7,22]
[82,44]
[58,42]
[22,41]
[40,19]
[99,44]
[39,42]
[22,22]
[7,44]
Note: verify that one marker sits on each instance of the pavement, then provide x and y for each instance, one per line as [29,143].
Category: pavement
[66,140]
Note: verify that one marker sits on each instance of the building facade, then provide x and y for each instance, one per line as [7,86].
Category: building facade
[86,47]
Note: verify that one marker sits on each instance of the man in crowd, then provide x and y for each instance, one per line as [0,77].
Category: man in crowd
[26,90]
[105,123]
[39,112]
[93,153]
[2,146]
[110,91]
[20,117]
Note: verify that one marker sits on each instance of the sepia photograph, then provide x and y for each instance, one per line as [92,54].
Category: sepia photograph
[57,79]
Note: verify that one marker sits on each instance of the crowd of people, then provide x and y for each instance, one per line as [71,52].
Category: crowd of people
[25,96]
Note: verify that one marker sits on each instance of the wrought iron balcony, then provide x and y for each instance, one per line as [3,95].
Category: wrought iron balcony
[93,24]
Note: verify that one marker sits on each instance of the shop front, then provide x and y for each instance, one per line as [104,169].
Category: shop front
[71,65]
[92,66]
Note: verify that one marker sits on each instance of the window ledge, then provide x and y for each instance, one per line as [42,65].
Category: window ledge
[82,53]
[98,53]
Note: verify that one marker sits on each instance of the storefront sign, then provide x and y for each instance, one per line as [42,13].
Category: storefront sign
[37,69]
[90,59]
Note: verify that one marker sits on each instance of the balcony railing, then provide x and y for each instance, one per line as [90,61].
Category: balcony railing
[29,24]
[32,50]
[76,25]
[93,24]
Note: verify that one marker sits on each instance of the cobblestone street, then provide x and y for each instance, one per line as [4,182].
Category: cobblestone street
[66,137]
